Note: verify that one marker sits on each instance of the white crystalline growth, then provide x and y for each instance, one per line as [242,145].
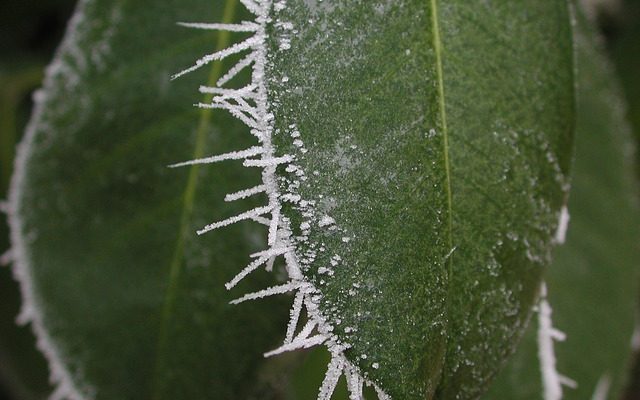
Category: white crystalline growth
[326,221]
[601,391]
[552,381]
[563,225]
[250,104]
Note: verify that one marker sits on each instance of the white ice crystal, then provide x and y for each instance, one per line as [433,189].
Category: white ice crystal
[552,381]
[250,104]
[563,225]
[601,391]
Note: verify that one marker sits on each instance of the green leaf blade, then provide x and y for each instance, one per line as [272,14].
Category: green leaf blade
[442,169]
[378,175]
[510,118]
[593,281]
[376,107]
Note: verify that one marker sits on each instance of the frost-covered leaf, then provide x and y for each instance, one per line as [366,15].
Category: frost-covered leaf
[414,158]
[128,301]
[436,135]
[23,370]
[593,281]
[442,227]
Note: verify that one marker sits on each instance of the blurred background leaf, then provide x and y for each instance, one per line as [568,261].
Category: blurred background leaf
[29,33]
[621,26]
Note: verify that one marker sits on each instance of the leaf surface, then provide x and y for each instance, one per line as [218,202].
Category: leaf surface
[593,281]
[437,136]
[435,149]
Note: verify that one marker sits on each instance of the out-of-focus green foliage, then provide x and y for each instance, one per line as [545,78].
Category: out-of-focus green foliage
[29,32]
[623,32]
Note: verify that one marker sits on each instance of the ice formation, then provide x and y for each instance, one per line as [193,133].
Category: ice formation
[250,104]
[552,381]
[563,225]
[601,391]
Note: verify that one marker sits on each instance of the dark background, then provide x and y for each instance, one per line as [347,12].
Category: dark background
[29,34]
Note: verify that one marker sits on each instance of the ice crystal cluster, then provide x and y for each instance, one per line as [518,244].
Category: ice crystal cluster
[250,104]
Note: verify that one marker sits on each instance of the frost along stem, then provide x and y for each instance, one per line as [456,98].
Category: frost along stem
[250,104]
[552,381]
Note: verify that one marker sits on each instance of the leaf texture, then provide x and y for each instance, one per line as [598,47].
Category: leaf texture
[429,144]
[438,137]
[593,281]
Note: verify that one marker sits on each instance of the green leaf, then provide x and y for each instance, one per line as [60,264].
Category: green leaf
[435,153]
[438,138]
[593,282]
[127,300]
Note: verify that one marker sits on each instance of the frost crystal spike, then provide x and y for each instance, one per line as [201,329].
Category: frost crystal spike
[552,381]
[250,104]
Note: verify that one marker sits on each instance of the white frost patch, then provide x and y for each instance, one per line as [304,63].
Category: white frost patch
[552,381]
[563,225]
[602,388]
[326,221]
[250,104]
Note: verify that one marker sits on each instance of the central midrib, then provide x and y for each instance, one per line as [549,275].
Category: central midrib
[175,267]
[437,46]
